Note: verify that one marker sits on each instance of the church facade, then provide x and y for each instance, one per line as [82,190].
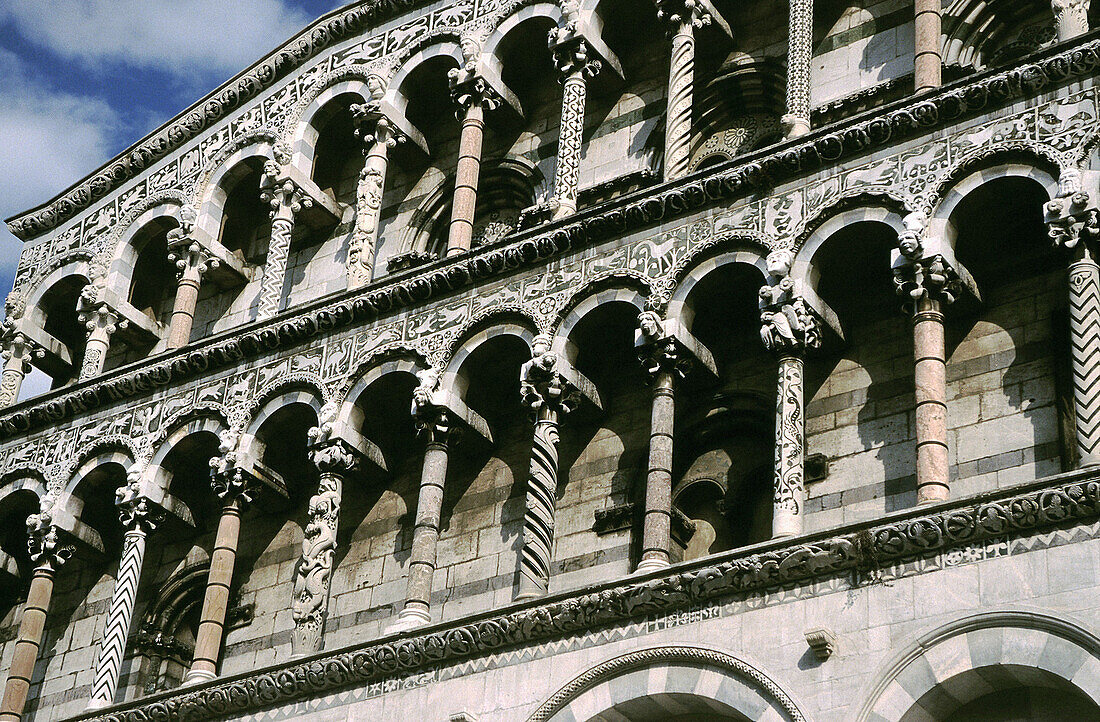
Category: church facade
[493,361]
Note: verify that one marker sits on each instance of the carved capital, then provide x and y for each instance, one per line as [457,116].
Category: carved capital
[541,381]
[1071,17]
[46,542]
[335,456]
[931,277]
[232,483]
[372,126]
[96,314]
[18,349]
[572,54]
[678,14]
[1073,221]
[468,90]
[787,323]
[434,422]
[190,255]
[280,191]
[661,352]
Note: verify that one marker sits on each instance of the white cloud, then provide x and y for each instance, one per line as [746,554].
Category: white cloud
[49,140]
[183,37]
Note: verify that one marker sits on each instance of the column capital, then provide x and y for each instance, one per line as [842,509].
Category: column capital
[435,423]
[572,54]
[1073,218]
[542,383]
[136,511]
[18,347]
[232,483]
[373,126]
[335,456]
[788,323]
[919,271]
[675,14]
[47,543]
[279,190]
[1071,17]
[469,89]
[660,351]
[189,254]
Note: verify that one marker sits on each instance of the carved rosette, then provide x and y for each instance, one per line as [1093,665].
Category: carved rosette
[45,541]
[286,199]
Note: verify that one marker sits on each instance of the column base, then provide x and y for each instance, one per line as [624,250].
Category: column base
[793,126]
[97,704]
[785,524]
[410,617]
[1088,460]
[527,596]
[197,677]
[651,565]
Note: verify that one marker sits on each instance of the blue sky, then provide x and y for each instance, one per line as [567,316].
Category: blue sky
[81,80]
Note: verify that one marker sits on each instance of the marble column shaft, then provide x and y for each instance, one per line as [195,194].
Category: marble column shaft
[790,448]
[1084,308]
[286,200]
[429,505]
[191,263]
[574,62]
[928,53]
[16,354]
[460,233]
[799,54]
[681,81]
[538,523]
[378,136]
[101,323]
[657,520]
[930,380]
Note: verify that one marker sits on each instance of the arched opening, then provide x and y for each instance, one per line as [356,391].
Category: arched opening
[739,109]
[1004,693]
[980,35]
[58,306]
[153,282]
[337,160]
[246,223]
[15,561]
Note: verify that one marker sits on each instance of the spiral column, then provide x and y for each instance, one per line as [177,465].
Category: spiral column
[681,19]
[286,199]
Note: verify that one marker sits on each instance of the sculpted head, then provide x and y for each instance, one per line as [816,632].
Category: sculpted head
[779,262]
[650,324]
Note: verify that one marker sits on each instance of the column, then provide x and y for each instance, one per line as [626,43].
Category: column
[101,323]
[286,199]
[799,53]
[17,362]
[48,553]
[787,329]
[139,517]
[236,488]
[548,395]
[336,460]
[681,18]
[435,426]
[192,261]
[378,135]
[664,362]
[572,56]
[1071,17]
[928,53]
[927,283]
[473,97]
[1074,227]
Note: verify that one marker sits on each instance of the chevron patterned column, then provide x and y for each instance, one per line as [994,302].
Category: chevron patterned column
[286,199]
[1084,327]
[139,517]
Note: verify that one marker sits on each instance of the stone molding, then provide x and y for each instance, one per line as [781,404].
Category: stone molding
[860,550]
[530,248]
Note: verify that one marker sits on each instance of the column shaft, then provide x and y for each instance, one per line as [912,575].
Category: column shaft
[368,207]
[313,579]
[1084,308]
[15,370]
[460,234]
[928,56]
[278,250]
[930,376]
[183,310]
[681,79]
[113,647]
[799,53]
[657,524]
[538,520]
[215,605]
[567,171]
[425,536]
[790,442]
[31,626]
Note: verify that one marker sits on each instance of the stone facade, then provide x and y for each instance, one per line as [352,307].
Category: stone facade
[397,380]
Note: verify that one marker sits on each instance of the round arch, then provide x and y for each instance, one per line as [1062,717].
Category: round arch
[721,682]
[293,393]
[490,48]
[303,143]
[215,191]
[394,361]
[503,323]
[78,268]
[678,306]
[1026,640]
[69,499]
[439,47]
[803,269]
[952,192]
[156,478]
[585,303]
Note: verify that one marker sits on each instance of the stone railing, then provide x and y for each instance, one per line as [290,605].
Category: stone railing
[738,178]
[863,551]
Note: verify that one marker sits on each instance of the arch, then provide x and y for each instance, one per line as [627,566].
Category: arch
[512,20]
[303,141]
[979,170]
[619,289]
[213,193]
[125,254]
[170,199]
[110,453]
[445,45]
[734,684]
[392,360]
[741,249]
[1016,639]
[507,321]
[22,480]
[193,421]
[289,393]
[80,268]
[803,269]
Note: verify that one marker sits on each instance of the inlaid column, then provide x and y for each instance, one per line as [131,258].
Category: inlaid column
[379,136]
[664,362]
[435,427]
[799,52]
[101,322]
[17,363]
[928,52]
[788,329]
[1071,17]
[574,61]
[681,18]
[192,262]
[236,488]
[927,283]
[139,518]
[49,553]
[548,395]
[286,200]
[1075,227]
[336,461]
[473,97]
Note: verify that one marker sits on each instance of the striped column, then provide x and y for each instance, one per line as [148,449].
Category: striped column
[1084,309]
[473,97]
[286,200]
[928,55]
[139,517]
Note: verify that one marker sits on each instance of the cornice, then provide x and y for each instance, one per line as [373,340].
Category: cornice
[860,550]
[757,172]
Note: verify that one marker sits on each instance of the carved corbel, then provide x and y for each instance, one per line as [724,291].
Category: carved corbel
[925,267]
[547,380]
[437,412]
[237,473]
[1073,218]
[694,13]
[666,345]
[48,544]
[793,319]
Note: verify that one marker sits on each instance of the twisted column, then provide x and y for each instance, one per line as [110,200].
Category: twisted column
[928,53]
[548,395]
[139,517]
[1074,226]
[17,354]
[927,282]
[336,460]
[436,427]
[572,57]
[799,53]
[474,97]
[681,18]
[192,262]
[788,329]
[1071,17]
[664,361]
[286,199]
[378,135]
[49,553]
[236,488]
